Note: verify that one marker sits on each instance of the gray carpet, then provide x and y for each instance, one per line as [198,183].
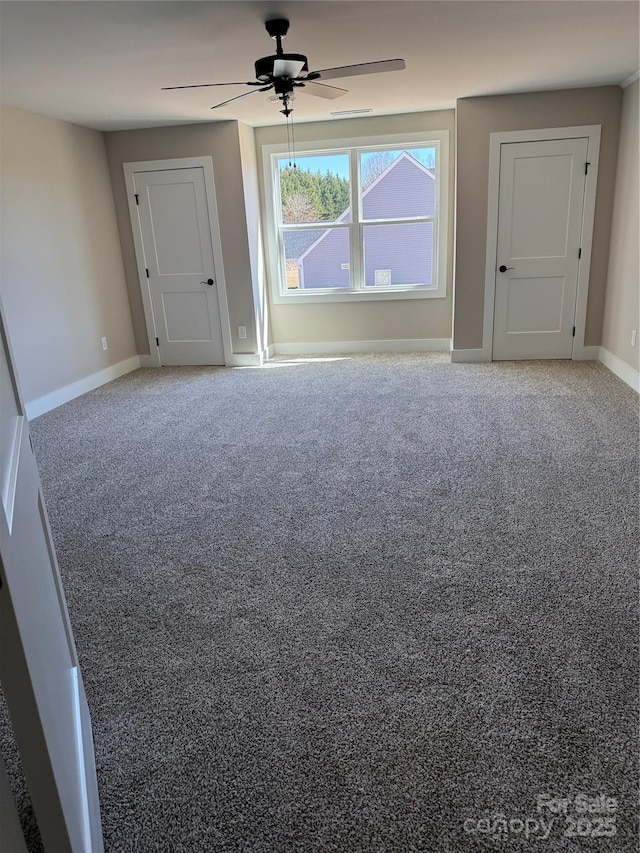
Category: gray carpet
[352,605]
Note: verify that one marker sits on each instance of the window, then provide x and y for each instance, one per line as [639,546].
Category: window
[358,221]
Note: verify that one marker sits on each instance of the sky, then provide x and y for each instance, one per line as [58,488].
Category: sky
[339,163]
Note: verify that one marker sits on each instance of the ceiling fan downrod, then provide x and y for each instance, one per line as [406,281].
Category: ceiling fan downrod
[277,29]
[281,65]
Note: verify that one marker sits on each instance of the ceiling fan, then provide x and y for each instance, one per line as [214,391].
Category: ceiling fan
[286,72]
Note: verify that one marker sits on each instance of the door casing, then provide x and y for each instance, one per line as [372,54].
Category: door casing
[541,276]
[592,133]
[206,163]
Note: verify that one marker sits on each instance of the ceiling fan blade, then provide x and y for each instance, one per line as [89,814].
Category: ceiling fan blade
[244,95]
[361,68]
[207,85]
[320,90]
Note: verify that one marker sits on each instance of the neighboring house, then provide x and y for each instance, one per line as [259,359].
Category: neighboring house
[394,253]
[296,244]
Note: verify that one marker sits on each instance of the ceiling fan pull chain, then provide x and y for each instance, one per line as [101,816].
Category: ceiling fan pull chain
[293,141]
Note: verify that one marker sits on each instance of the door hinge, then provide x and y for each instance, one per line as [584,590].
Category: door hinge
[147,272]
[586,167]
[573,334]
[157,342]
[137,199]
[580,252]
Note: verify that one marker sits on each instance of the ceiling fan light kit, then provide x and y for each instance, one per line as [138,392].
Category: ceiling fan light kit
[286,72]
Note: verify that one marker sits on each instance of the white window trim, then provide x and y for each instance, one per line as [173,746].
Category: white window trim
[438,290]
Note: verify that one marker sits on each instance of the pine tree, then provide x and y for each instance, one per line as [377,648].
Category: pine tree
[307,195]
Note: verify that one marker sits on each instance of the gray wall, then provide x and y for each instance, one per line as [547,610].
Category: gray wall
[622,308]
[384,320]
[62,279]
[220,141]
[477,118]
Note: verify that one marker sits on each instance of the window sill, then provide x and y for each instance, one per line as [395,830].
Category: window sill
[303,297]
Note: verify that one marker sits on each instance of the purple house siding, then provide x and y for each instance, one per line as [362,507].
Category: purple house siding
[322,265]
[403,249]
[405,189]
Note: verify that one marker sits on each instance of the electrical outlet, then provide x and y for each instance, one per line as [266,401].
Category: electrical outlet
[634,337]
[104,344]
[242,331]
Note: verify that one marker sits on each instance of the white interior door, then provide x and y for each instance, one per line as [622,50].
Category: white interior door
[38,662]
[177,245]
[539,228]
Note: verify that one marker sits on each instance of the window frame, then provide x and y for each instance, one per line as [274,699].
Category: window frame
[357,289]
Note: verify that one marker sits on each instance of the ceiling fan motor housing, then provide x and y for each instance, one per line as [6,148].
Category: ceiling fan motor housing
[264,67]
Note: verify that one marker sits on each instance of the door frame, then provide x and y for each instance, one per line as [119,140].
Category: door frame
[206,164]
[592,134]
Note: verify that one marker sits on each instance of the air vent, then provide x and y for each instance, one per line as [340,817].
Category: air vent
[350,113]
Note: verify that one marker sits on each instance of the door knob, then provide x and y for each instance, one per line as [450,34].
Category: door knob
[502,268]
[209,281]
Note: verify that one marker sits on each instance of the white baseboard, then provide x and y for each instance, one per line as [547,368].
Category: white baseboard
[586,353]
[464,356]
[620,368]
[327,347]
[269,352]
[248,359]
[69,392]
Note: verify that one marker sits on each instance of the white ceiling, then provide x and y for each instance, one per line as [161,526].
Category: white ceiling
[101,64]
